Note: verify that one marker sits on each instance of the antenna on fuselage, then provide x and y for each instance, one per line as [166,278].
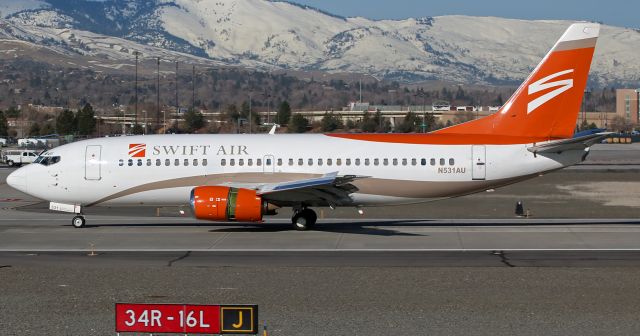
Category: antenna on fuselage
[273,129]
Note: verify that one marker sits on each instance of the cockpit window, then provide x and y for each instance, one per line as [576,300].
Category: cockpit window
[47,160]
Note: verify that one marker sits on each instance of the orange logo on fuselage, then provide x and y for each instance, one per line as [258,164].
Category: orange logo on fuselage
[137,150]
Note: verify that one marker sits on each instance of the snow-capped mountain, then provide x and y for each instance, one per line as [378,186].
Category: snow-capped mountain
[261,33]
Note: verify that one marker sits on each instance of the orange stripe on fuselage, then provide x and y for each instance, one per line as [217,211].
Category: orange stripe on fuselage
[441,139]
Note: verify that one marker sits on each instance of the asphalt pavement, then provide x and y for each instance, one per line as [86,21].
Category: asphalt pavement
[456,267]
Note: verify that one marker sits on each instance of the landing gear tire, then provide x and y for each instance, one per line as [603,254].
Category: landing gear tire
[78,222]
[304,220]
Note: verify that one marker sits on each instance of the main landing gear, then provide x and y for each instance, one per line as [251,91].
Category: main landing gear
[78,221]
[304,219]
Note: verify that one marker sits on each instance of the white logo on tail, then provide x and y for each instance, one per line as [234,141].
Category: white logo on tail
[543,84]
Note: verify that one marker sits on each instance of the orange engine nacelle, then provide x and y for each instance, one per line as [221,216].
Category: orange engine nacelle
[218,203]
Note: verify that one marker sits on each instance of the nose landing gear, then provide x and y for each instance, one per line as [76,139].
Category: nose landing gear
[304,219]
[78,221]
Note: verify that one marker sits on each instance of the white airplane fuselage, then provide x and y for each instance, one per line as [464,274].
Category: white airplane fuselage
[102,172]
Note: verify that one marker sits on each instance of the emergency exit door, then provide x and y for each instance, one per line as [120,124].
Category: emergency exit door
[92,165]
[479,162]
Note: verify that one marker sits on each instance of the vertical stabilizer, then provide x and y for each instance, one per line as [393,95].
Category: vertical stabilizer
[547,104]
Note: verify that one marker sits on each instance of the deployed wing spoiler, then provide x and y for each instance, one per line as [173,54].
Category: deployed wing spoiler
[569,144]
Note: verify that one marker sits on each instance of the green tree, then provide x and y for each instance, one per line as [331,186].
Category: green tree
[245,109]
[137,129]
[350,124]
[409,123]
[4,125]
[369,124]
[86,120]
[232,112]
[194,120]
[330,122]
[584,125]
[34,130]
[66,122]
[284,113]
[298,123]
[13,112]
[47,129]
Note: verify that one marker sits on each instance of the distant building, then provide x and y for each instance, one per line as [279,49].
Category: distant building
[628,104]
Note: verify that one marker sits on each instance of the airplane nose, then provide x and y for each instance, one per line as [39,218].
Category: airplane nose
[18,180]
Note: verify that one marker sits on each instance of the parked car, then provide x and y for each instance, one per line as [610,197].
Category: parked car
[18,157]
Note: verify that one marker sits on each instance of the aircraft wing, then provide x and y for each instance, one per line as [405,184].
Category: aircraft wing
[329,189]
[569,144]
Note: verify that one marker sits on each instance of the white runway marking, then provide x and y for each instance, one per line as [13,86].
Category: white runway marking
[315,250]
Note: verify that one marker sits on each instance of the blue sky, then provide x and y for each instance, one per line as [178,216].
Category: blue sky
[624,13]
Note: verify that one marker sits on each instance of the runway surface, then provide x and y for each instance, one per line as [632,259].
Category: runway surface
[461,266]
[120,234]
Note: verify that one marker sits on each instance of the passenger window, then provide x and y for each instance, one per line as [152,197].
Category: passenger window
[442,162]
[367,162]
[259,162]
[205,162]
[423,162]
[250,162]
[385,162]
[167,162]
[240,162]
[186,162]
[414,162]
[139,162]
[348,162]
[279,162]
[433,162]
[223,162]
[452,162]
[376,162]
[267,162]
[338,162]
[395,162]
[232,162]
[404,162]
[300,162]
[310,162]
[357,162]
[319,162]
[130,163]
[148,162]
[158,162]
[329,162]
[291,162]
[195,162]
[176,162]
[121,162]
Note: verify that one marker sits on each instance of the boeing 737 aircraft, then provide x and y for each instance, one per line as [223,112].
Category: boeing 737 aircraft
[246,177]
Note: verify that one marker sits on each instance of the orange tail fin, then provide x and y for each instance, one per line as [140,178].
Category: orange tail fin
[547,104]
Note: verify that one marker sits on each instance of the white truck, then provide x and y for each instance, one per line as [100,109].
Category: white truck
[3,142]
[18,157]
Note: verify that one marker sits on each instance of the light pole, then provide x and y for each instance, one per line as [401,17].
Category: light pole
[158,95]
[177,104]
[136,89]
[584,105]
[250,115]
[420,93]
[268,98]
[193,88]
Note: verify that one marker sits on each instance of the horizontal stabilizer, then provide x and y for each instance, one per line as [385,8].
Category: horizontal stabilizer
[569,144]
